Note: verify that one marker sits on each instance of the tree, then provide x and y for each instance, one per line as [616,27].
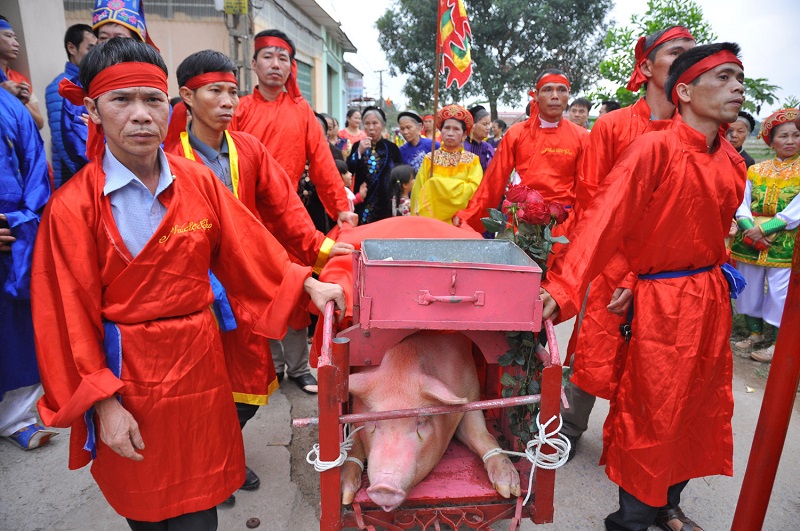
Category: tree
[757,92]
[513,40]
[791,102]
[620,41]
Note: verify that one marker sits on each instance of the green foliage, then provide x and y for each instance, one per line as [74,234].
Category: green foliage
[513,40]
[523,377]
[620,41]
[757,92]
[790,101]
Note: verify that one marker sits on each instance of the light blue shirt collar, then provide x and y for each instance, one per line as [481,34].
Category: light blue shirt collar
[118,176]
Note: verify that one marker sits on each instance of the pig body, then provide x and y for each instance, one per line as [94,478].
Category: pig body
[426,369]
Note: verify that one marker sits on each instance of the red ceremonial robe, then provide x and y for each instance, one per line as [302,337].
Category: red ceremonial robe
[339,269]
[266,191]
[173,378]
[545,159]
[597,339]
[292,134]
[668,204]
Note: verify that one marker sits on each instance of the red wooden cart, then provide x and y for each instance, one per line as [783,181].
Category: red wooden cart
[480,288]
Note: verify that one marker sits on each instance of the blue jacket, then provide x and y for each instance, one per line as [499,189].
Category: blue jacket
[24,190]
[68,131]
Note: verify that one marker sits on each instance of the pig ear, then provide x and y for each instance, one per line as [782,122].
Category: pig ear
[360,383]
[433,389]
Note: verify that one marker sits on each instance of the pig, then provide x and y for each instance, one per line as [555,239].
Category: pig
[425,369]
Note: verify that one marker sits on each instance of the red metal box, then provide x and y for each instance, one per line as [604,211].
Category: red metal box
[446,284]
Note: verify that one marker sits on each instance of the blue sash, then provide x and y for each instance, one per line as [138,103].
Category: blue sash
[112,344]
[735,280]
[222,306]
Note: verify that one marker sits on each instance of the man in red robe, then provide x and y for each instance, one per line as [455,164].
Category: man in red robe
[597,337]
[278,115]
[127,343]
[243,164]
[672,402]
[544,149]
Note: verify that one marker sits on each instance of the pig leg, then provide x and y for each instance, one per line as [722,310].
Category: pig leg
[473,434]
[351,473]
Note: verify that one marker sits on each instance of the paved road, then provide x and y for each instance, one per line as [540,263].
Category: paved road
[39,493]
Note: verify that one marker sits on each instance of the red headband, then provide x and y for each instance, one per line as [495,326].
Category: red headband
[701,67]
[291,84]
[637,76]
[561,79]
[118,76]
[455,112]
[208,78]
[427,117]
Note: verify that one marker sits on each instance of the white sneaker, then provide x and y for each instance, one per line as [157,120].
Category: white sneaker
[764,355]
[749,342]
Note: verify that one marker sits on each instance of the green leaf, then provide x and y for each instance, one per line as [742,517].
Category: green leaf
[492,225]
[506,359]
[534,388]
[508,380]
[497,215]
[560,239]
[506,392]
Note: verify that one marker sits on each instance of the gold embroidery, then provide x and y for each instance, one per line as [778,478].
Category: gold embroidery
[561,151]
[452,158]
[187,227]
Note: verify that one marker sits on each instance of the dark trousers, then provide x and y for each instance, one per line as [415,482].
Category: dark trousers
[199,521]
[576,418]
[245,412]
[635,515]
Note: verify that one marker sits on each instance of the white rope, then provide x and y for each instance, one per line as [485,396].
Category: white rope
[344,447]
[533,450]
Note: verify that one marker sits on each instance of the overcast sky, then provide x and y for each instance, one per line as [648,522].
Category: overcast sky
[762,29]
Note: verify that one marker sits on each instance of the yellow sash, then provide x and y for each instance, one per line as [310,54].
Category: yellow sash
[233,158]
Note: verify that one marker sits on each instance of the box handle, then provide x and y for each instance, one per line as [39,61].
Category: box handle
[425,298]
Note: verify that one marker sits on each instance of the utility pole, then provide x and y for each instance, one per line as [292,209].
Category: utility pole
[237,21]
[380,75]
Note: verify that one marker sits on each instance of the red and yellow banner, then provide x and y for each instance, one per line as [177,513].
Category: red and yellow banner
[455,41]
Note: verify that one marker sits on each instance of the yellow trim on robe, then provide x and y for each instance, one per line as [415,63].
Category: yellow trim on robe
[257,400]
[456,176]
[233,158]
[324,254]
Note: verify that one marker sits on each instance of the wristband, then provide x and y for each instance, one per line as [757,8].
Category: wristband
[773,226]
[745,223]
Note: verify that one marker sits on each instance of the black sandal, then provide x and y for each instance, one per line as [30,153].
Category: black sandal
[672,513]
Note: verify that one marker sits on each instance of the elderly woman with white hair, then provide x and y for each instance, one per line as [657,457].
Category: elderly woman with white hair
[371,161]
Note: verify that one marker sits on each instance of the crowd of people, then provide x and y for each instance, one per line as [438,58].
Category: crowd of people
[166,254]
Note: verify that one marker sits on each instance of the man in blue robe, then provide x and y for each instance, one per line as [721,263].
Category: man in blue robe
[24,190]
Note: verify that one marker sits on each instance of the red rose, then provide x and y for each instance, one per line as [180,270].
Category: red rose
[534,197]
[506,208]
[536,214]
[558,211]
[517,194]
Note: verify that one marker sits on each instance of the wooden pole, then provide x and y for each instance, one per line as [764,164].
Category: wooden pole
[776,411]
[437,62]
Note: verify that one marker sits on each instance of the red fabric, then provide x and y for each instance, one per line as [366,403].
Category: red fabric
[210,78]
[121,75]
[637,76]
[171,351]
[339,269]
[177,125]
[546,160]
[668,204]
[266,191]
[597,340]
[702,66]
[291,133]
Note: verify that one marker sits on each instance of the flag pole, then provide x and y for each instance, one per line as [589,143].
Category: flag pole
[439,12]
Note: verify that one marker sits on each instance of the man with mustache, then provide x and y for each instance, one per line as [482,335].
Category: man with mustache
[243,164]
[129,347]
[672,397]
[284,122]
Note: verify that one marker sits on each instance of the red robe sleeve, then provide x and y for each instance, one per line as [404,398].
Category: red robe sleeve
[66,299]
[322,169]
[620,199]
[596,163]
[493,184]
[253,266]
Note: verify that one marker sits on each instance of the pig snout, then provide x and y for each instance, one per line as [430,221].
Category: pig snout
[386,496]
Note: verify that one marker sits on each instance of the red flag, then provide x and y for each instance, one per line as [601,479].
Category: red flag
[455,41]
